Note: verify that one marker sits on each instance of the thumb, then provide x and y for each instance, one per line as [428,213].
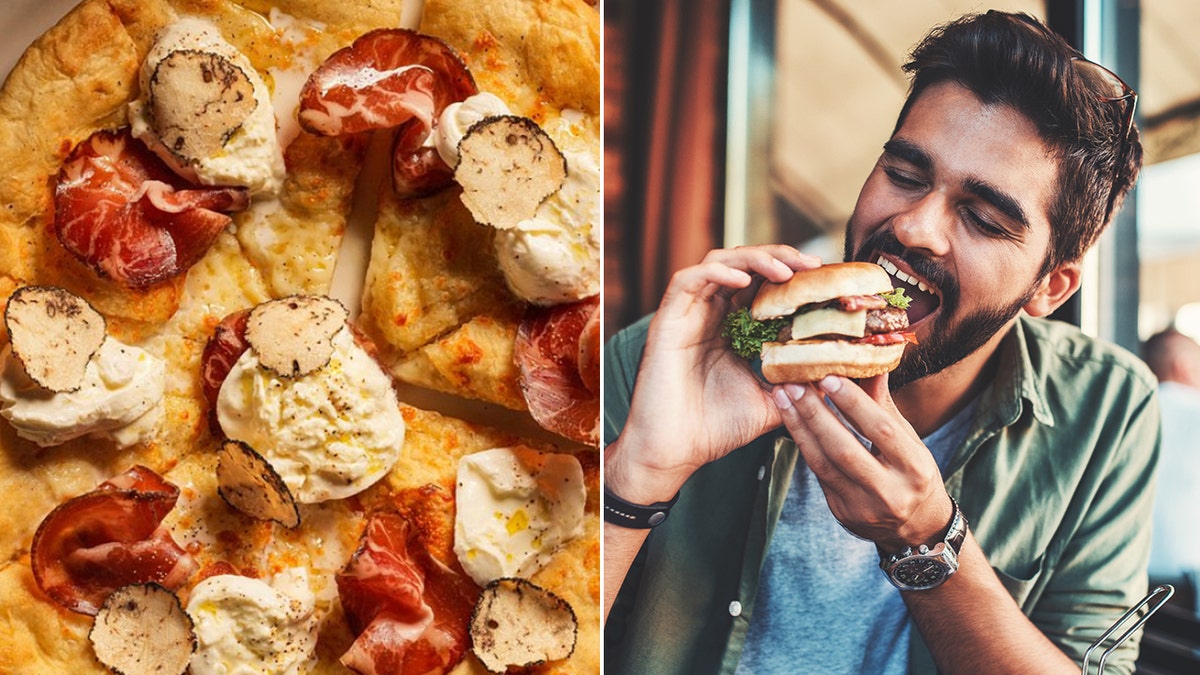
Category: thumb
[877,388]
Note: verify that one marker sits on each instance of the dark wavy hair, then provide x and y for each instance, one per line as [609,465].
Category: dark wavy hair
[1014,60]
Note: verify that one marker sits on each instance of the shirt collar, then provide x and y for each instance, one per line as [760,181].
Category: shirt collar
[1017,381]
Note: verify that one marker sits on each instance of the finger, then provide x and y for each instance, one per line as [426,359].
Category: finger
[891,436]
[877,388]
[790,256]
[775,262]
[701,282]
[831,450]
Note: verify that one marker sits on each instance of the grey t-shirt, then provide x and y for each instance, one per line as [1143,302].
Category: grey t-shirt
[823,604]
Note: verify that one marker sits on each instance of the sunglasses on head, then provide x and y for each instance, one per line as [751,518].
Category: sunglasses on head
[1108,88]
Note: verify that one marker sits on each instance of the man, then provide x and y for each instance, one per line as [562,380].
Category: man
[1008,159]
[1175,549]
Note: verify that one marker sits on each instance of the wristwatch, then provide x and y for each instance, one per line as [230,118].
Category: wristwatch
[925,567]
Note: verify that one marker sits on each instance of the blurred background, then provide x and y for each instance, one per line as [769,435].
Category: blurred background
[749,121]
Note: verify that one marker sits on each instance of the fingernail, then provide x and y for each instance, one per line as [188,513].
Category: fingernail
[781,399]
[831,384]
[795,391]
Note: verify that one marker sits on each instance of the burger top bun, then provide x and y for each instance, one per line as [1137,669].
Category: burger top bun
[820,284]
[810,361]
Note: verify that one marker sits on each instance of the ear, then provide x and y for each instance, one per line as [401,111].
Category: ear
[1055,289]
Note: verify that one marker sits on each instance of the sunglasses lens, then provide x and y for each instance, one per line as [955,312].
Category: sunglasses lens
[1103,81]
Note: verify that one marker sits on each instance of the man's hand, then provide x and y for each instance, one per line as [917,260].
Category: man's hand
[891,494]
[694,400]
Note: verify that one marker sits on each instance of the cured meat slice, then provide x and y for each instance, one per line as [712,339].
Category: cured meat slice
[589,352]
[222,350]
[124,213]
[548,355]
[385,78]
[408,611]
[110,537]
[417,169]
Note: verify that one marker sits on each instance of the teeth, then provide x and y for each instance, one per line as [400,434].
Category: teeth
[902,276]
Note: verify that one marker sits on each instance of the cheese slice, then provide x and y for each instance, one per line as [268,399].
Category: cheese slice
[829,321]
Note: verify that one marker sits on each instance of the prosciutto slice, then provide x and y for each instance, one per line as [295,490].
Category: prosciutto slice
[120,210]
[222,350]
[408,611]
[418,169]
[383,79]
[391,78]
[110,537]
[553,352]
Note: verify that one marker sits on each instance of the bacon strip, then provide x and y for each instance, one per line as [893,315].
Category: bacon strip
[124,213]
[884,339]
[853,303]
[547,354]
[90,545]
[409,612]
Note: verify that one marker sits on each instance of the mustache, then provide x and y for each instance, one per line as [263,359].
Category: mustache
[886,243]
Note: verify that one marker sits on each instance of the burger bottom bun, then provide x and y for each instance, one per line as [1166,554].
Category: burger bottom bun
[811,361]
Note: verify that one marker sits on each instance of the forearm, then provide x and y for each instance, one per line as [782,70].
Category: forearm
[972,625]
[621,546]
[637,485]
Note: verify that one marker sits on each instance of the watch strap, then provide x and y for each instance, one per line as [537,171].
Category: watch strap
[953,540]
[957,533]
[636,516]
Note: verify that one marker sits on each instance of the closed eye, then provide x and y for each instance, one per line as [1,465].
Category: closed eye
[985,226]
[902,179]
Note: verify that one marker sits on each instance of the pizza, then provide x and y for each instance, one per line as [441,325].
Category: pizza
[237,236]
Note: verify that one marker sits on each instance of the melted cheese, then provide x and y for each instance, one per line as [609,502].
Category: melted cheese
[120,399]
[515,508]
[244,626]
[829,321]
[330,434]
[554,257]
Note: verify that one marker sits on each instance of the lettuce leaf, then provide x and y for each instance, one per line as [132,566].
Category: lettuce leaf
[746,334]
[897,298]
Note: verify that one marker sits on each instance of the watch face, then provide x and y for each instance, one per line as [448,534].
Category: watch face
[920,572]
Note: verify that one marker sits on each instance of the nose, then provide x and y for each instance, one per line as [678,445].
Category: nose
[924,224]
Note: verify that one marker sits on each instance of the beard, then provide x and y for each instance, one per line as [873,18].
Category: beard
[953,335]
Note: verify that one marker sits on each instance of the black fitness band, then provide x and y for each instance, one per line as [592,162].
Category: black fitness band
[620,512]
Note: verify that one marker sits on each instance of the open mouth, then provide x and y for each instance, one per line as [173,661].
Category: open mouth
[925,297]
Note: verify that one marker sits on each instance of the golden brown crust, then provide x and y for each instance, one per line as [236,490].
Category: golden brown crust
[477,357]
[809,361]
[555,44]
[444,321]
[819,284]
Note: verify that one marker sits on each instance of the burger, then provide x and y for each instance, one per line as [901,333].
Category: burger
[839,319]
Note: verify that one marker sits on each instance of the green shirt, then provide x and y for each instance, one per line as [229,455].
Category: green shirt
[1055,477]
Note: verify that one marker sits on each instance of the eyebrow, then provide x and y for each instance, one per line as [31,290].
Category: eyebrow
[999,200]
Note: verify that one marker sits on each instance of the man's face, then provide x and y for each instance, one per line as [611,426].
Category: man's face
[956,210]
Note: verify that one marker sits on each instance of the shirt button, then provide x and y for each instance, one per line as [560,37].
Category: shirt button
[735,608]
[762,471]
